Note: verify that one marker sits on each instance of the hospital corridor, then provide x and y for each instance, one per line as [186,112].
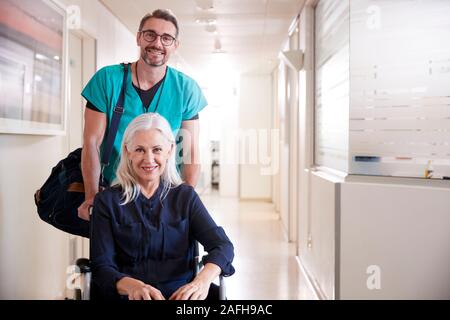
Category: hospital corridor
[315,135]
[266,260]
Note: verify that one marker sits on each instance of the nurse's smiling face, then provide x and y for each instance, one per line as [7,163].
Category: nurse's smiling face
[156,52]
[148,153]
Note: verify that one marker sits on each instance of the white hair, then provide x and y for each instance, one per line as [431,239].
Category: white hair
[125,176]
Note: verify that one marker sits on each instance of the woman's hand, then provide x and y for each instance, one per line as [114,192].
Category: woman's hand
[199,287]
[145,292]
[195,290]
[138,290]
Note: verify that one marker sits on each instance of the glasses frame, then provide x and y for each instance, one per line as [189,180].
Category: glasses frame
[144,32]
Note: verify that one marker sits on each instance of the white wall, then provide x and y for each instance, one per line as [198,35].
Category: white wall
[229,167]
[34,255]
[306,122]
[275,126]
[318,250]
[254,118]
[283,118]
[402,229]
[219,121]
[115,43]
[400,225]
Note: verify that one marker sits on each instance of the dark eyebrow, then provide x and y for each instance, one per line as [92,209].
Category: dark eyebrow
[164,34]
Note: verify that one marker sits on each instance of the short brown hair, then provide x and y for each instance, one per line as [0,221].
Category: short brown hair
[164,14]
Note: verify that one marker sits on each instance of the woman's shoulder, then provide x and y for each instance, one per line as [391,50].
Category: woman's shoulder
[183,191]
[184,187]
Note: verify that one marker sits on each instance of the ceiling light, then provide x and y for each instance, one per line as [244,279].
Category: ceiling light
[204,4]
[211,28]
[208,21]
[217,44]
[40,57]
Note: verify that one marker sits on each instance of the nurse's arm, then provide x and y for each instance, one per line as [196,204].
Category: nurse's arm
[94,130]
[191,152]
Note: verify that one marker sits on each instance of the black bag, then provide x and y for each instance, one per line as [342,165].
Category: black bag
[57,201]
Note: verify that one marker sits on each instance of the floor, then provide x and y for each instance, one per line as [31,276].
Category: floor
[265,263]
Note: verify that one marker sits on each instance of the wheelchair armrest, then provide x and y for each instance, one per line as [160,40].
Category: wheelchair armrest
[84,265]
[222,287]
[83,292]
[198,264]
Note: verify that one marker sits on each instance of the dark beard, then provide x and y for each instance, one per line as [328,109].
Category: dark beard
[148,62]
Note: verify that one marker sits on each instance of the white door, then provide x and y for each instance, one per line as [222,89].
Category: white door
[284,147]
[81,68]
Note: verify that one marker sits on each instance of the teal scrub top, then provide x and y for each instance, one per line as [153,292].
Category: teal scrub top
[178,98]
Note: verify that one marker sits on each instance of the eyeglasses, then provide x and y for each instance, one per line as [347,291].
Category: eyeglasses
[150,36]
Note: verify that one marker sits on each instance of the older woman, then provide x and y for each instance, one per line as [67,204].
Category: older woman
[144,226]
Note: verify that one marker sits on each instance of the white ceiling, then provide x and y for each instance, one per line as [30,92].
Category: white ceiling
[250,32]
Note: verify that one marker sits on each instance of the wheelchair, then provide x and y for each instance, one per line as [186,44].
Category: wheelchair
[84,292]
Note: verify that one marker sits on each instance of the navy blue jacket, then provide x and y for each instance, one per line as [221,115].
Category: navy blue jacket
[152,241]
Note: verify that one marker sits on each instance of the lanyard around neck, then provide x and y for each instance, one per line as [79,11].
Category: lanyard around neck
[140,90]
[160,92]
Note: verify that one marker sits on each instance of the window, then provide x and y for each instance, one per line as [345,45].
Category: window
[332,84]
[32,50]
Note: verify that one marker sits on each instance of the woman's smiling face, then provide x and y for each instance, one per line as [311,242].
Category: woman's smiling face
[148,152]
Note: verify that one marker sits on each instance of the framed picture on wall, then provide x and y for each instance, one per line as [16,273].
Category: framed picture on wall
[33,50]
